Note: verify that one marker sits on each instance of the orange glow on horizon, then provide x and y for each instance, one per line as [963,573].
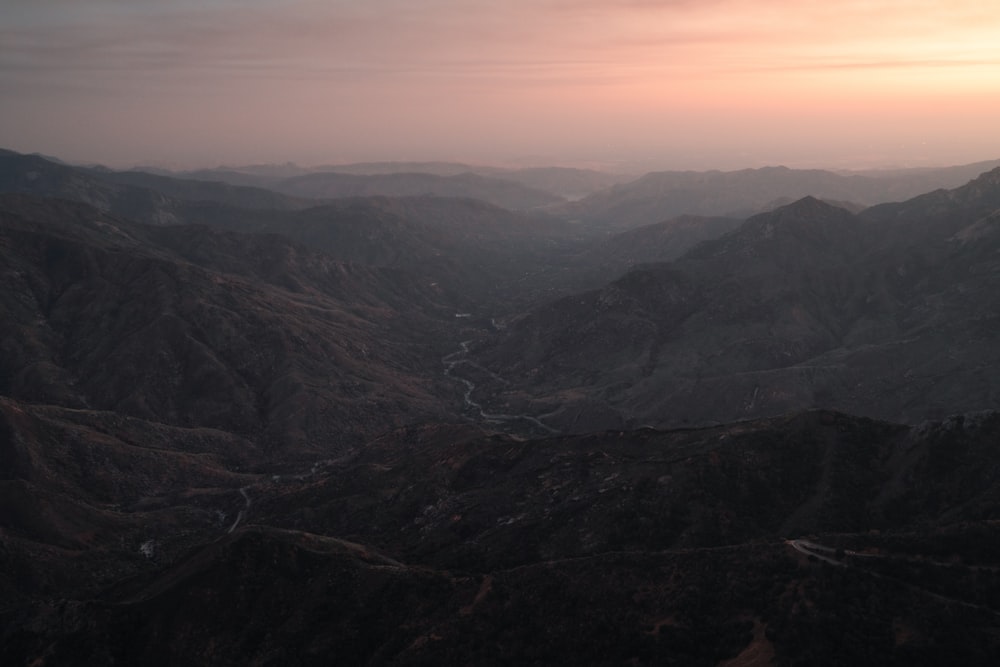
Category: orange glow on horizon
[314,81]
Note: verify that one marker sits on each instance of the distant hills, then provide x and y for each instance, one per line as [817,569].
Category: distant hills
[448,241]
[602,201]
[557,182]
[147,198]
[507,194]
[659,196]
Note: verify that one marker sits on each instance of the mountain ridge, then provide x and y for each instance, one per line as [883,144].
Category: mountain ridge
[395,430]
[92,307]
[786,311]
[677,533]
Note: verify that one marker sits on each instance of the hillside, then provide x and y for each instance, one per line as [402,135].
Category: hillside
[438,545]
[393,431]
[660,242]
[806,306]
[471,249]
[147,198]
[196,328]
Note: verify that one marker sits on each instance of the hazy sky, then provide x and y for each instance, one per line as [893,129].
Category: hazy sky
[661,83]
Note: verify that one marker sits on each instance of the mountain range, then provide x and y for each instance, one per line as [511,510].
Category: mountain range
[558,182]
[891,313]
[695,419]
[658,196]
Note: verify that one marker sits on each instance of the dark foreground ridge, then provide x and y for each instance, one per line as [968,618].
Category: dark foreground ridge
[444,545]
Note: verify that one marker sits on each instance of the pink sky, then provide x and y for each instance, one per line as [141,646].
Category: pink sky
[639,83]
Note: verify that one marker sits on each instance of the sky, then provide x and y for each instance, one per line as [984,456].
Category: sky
[617,84]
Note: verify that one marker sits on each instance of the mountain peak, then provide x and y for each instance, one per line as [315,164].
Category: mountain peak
[810,205]
[805,223]
[808,213]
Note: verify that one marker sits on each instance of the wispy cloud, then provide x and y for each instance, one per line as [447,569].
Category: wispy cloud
[548,60]
[911,64]
[443,36]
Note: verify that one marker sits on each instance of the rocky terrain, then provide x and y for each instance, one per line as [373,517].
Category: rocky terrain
[201,328]
[443,545]
[239,427]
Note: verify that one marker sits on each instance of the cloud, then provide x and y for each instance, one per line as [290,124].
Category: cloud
[351,64]
[442,37]
[911,64]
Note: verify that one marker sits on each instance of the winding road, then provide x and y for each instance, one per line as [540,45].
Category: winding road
[242,514]
[829,555]
[459,357]
[825,554]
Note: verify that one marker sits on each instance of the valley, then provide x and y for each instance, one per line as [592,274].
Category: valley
[433,413]
[459,358]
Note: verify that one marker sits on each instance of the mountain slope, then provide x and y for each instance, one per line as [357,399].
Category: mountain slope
[439,546]
[660,242]
[251,334]
[231,448]
[192,190]
[140,196]
[805,306]
[471,250]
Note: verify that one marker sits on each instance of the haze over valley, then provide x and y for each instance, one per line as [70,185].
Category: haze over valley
[197,370]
